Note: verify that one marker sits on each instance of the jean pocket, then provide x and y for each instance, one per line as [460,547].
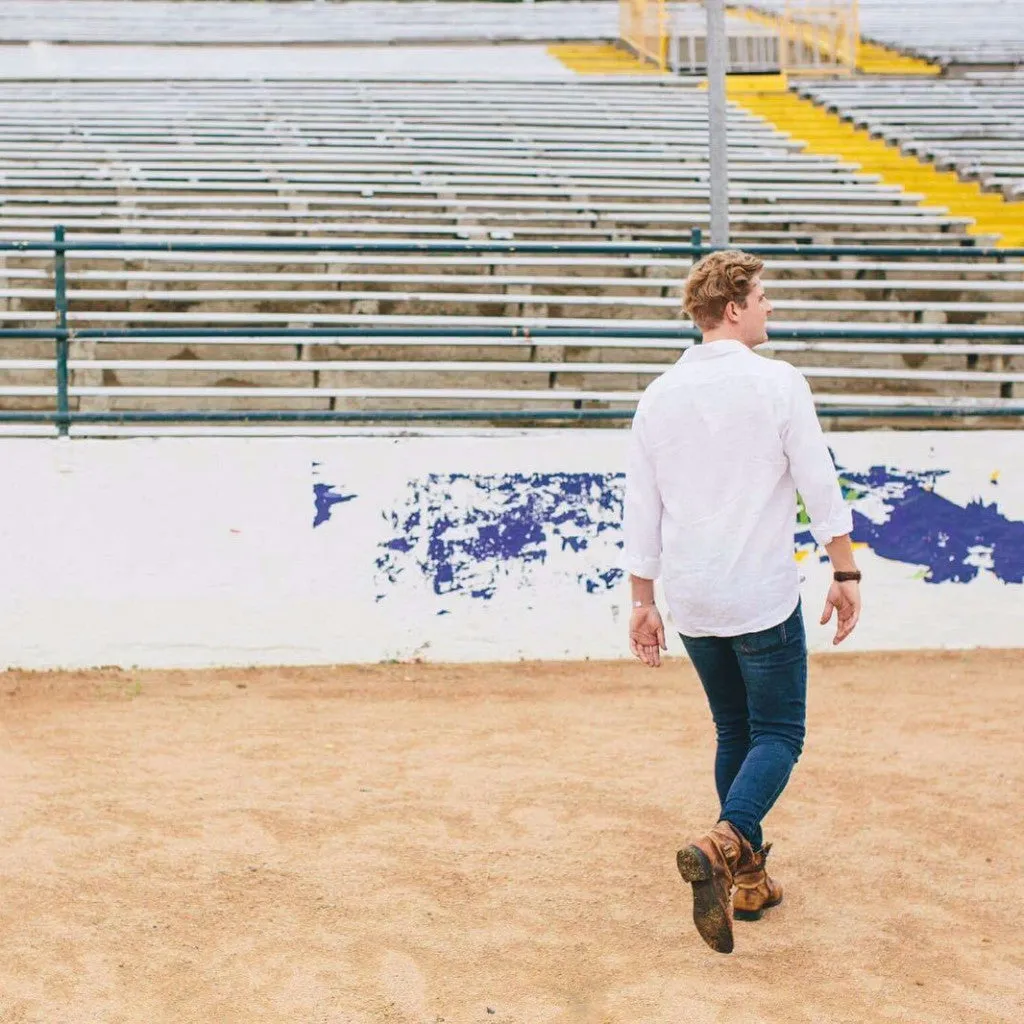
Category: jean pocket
[764,640]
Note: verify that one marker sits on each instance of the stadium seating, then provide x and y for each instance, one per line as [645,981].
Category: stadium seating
[573,162]
[973,125]
[104,21]
[971,32]
[946,31]
[751,47]
[446,160]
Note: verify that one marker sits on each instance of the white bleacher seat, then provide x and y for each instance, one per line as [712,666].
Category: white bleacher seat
[305,21]
[400,159]
[971,125]
[947,31]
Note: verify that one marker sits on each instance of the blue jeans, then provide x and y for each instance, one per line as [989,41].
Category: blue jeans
[756,685]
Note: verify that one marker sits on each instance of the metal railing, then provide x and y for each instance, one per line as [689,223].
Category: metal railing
[63,333]
[643,28]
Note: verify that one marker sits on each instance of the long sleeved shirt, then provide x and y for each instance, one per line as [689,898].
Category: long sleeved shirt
[720,445]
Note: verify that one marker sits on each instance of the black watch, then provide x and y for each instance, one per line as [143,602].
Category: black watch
[847,577]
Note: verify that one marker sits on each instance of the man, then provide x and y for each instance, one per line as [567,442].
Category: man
[720,445]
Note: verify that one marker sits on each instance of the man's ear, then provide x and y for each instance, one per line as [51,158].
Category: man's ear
[730,312]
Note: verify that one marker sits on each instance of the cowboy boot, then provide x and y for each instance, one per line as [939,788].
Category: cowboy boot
[710,865]
[756,891]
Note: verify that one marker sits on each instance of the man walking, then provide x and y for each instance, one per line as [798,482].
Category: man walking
[720,445]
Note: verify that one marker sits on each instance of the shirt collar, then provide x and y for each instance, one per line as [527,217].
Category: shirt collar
[714,349]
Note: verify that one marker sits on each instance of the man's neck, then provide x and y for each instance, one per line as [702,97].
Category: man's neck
[719,335]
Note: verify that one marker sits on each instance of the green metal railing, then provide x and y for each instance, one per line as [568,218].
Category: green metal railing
[62,334]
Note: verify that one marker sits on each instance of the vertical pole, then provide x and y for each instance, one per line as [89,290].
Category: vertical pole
[853,29]
[696,244]
[718,154]
[662,35]
[60,287]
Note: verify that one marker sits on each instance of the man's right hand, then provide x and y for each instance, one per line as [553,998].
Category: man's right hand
[647,635]
[844,598]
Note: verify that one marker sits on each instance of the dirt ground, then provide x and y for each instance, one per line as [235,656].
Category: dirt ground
[411,843]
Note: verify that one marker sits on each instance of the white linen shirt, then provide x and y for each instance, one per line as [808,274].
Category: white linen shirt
[719,446]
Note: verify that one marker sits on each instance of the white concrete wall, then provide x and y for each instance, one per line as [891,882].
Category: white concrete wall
[202,551]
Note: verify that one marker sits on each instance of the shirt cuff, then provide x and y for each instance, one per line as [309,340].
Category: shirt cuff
[645,568]
[839,524]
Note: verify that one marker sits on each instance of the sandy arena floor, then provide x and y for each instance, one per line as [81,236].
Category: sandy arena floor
[408,843]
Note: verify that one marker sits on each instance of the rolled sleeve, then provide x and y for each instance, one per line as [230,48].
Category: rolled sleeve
[642,509]
[811,466]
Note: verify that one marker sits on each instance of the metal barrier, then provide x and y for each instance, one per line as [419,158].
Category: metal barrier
[643,28]
[63,417]
[816,37]
[819,37]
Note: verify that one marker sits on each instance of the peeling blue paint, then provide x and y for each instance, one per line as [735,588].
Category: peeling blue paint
[324,499]
[899,515]
[953,542]
[466,534]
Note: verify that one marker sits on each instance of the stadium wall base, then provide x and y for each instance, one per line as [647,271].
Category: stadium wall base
[190,552]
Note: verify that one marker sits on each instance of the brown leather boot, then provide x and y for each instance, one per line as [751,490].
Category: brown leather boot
[755,890]
[710,865]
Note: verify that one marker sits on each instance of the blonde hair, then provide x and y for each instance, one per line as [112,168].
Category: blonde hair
[715,281]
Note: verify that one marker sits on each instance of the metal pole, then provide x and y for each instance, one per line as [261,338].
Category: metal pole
[718,154]
[60,288]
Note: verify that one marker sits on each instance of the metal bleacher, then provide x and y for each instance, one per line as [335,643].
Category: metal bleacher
[408,164]
[972,125]
[189,22]
[948,32]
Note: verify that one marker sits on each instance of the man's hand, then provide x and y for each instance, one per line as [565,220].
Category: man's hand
[647,635]
[844,598]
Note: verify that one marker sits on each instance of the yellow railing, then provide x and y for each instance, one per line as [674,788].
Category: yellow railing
[829,41]
[643,27]
[817,37]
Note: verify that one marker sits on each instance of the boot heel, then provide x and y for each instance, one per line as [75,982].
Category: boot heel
[693,865]
[710,911]
[748,915]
